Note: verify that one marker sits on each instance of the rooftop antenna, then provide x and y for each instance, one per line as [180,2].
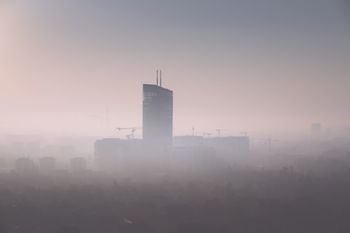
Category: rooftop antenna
[157,77]
[160,78]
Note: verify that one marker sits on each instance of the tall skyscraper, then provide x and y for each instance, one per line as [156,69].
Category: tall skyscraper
[157,113]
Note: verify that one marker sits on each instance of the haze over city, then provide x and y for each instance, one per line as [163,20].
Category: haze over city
[174,116]
[76,67]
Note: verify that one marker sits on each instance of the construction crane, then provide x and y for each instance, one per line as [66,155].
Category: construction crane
[132,129]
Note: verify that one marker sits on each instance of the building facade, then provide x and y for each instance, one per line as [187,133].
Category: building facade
[157,115]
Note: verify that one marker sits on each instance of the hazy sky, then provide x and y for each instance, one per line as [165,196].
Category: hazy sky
[240,65]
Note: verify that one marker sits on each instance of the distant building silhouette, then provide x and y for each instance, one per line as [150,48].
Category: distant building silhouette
[233,145]
[78,164]
[157,114]
[109,152]
[25,165]
[47,164]
[188,141]
[116,154]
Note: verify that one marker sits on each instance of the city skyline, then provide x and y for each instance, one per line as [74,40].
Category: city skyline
[149,116]
[75,68]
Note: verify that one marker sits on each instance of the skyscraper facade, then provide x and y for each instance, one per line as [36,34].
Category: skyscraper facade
[157,115]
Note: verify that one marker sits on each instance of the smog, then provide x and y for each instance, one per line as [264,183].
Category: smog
[174,116]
